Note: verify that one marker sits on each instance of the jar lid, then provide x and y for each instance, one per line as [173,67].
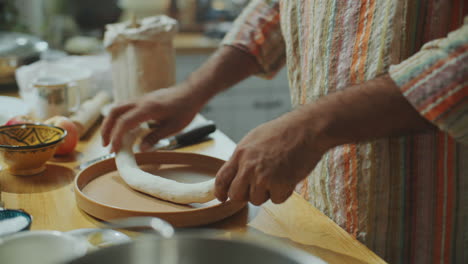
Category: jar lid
[159,28]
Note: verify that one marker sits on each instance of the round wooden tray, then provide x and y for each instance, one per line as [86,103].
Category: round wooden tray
[102,193]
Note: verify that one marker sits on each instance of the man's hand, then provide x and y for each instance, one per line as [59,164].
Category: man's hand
[273,158]
[269,162]
[171,109]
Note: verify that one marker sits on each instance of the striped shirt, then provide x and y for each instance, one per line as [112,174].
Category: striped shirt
[406,197]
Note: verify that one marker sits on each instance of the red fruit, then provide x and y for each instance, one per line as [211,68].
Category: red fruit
[22,119]
[68,145]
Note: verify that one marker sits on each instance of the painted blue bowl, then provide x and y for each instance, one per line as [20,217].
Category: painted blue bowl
[12,221]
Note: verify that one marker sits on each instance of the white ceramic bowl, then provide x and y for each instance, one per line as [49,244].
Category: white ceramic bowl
[41,247]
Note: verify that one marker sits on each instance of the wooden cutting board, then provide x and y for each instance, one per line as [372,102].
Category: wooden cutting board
[102,193]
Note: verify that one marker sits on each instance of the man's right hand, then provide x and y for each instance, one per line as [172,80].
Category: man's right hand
[173,108]
[170,108]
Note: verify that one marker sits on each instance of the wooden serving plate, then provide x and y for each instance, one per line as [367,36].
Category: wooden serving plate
[102,193]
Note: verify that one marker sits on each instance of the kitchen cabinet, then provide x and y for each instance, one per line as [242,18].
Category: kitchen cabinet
[244,106]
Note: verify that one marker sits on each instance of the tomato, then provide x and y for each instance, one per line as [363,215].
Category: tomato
[22,119]
[68,145]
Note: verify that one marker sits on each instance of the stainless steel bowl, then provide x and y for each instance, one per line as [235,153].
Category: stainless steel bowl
[198,247]
[18,49]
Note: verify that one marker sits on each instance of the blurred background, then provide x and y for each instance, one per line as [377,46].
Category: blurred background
[59,21]
[47,30]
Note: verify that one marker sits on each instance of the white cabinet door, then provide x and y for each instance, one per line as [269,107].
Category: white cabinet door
[186,64]
[280,104]
[235,115]
[244,106]
[220,110]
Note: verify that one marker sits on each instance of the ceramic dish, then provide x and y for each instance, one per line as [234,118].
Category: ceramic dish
[100,191]
[26,148]
[41,247]
[12,221]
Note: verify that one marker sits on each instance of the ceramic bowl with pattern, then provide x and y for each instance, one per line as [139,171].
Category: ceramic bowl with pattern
[26,148]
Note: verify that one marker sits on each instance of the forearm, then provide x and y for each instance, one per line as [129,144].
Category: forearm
[224,69]
[367,111]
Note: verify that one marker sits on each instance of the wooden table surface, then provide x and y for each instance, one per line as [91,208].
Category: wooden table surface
[49,198]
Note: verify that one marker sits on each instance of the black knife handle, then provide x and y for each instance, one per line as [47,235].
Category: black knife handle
[195,134]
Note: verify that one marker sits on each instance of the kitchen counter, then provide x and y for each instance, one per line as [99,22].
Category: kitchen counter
[49,198]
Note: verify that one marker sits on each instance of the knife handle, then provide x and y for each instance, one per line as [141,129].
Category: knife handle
[195,134]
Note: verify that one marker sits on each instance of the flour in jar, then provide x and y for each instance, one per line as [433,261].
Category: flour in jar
[143,57]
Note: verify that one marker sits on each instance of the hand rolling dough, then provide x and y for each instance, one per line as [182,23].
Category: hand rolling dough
[169,190]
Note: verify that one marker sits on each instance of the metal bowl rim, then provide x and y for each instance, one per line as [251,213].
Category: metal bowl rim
[278,247]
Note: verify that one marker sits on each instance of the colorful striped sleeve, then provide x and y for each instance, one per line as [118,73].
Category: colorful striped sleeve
[257,31]
[435,81]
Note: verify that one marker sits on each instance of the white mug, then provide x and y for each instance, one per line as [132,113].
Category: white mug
[53,97]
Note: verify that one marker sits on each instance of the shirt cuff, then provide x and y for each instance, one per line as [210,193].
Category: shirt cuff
[435,82]
[257,31]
